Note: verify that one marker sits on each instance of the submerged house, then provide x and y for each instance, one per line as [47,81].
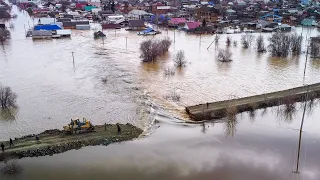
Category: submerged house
[42,34]
[47,27]
[261,24]
[62,33]
[175,22]
[138,14]
[98,34]
[285,28]
[136,25]
[191,26]
[74,24]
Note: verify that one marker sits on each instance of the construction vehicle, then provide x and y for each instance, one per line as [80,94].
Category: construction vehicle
[77,126]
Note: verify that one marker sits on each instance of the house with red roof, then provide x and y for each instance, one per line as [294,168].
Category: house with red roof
[191,26]
[174,22]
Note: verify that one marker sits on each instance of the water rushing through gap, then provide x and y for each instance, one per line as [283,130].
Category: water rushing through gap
[263,146]
[51,90]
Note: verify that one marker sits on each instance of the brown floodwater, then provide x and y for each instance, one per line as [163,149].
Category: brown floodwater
[263,147]
[52,89]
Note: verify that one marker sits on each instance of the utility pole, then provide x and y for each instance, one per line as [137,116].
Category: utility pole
[300,133]
[174,35]
[126,42]
[25,31]
[72,57]
[210,44]
[305,64]
[304,112]
[200,40]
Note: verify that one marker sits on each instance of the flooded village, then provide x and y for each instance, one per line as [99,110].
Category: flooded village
[155,89]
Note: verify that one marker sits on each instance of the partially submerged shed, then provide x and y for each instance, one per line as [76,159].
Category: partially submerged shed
[42,34]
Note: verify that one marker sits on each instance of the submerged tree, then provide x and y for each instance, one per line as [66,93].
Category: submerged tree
[315,47]
[246,40]
[216,40]
[228,41]
[11,168]
[151,49]
[164,45]
[224,55]
[7,98]
[235,43]
[180,59]
[295,43]
[168,71]
[4,34]
[279,44]
[231,114]
[260,44]
[146,50]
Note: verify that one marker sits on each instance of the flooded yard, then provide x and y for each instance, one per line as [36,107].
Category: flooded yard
[51,89]
[109,83]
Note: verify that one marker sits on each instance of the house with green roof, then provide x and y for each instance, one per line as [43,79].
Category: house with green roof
[309,22]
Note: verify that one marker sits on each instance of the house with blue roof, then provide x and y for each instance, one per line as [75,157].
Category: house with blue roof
[48,27]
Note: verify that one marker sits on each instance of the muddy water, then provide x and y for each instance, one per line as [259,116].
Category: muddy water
[260,147]
[52,89]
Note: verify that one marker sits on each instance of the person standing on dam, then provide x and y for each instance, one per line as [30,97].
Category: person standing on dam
[11,142]
[119,128]
[2,147]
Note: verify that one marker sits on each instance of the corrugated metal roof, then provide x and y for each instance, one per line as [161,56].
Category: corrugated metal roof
[47,27]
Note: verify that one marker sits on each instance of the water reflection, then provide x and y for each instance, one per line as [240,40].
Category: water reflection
[231,127]
[151,67]
[8,114]
[286,112]
[252,115]
[263,149]
[280,63]
[315,63]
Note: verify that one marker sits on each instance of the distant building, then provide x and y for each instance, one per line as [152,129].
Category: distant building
[48,27]
[309,22]
[305,2]
[136,25]
[271,17]
[138,14]
[29,1]
[174,22]
[191,26]
[207,13]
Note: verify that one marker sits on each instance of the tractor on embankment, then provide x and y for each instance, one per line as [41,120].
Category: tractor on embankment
[76,126]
